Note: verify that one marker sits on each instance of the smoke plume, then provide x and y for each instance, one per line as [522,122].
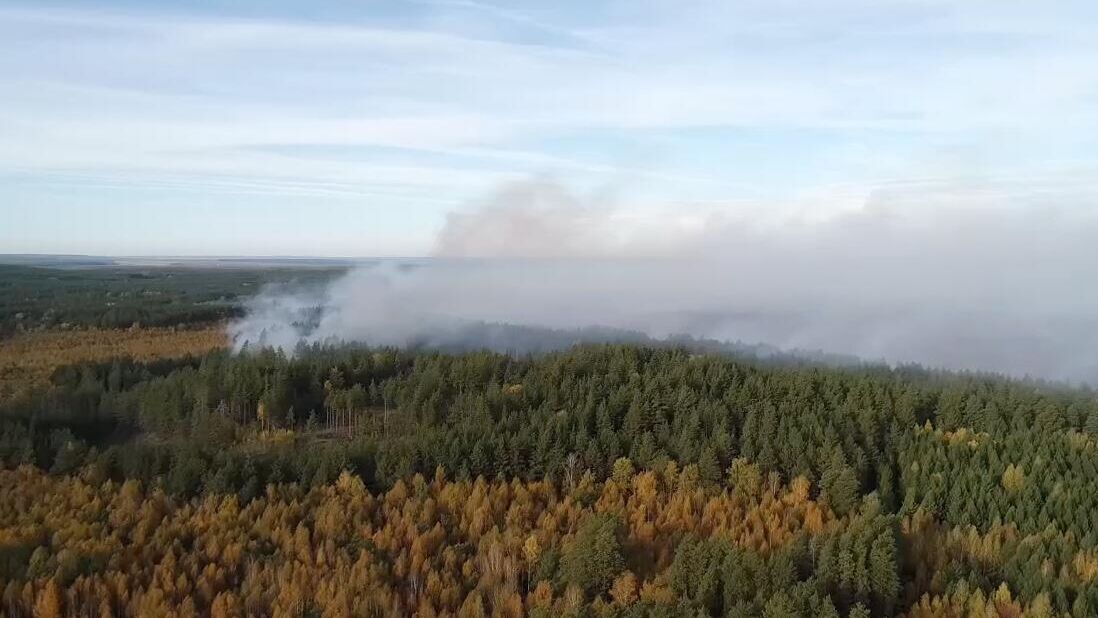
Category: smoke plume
[961,277]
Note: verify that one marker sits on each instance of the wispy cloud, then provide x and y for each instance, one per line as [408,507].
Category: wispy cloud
[438,102]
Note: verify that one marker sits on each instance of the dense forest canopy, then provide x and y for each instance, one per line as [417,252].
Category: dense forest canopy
[608,479]
[152,471]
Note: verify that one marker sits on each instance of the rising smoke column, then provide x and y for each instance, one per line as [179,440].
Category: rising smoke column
[944,280]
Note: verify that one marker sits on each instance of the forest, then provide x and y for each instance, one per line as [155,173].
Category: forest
[601,480]
[35,298]
[151,471]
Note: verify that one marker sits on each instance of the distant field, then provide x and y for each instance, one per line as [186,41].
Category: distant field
[28,360]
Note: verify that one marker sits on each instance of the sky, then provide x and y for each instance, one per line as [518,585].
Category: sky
[365,128]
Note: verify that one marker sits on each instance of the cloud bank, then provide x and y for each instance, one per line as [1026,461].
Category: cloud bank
[970,285]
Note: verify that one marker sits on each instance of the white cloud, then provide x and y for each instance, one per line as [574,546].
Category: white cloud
[147,96]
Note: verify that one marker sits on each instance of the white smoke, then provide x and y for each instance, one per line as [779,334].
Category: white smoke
[971,277]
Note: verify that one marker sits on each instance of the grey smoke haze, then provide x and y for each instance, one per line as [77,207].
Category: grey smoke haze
[966,277]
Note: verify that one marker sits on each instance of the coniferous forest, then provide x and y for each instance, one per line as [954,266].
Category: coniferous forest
[602,480]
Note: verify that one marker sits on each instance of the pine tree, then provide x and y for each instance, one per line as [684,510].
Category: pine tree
[594,557]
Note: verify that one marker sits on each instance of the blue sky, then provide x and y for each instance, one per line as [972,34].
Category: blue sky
[354,128]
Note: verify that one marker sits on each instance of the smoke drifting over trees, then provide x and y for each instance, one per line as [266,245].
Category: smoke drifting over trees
[962,277]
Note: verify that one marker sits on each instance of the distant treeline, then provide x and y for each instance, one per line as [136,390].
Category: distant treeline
[34,298]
